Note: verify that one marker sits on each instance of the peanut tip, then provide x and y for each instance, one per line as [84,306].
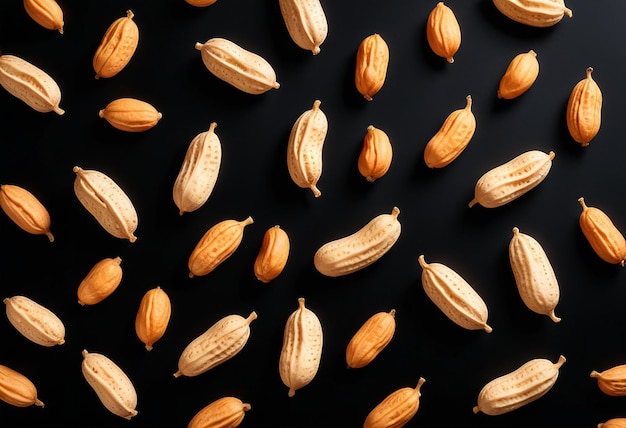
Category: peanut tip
[553,316]
[198,45]
[420,382]
[421,261]
[473,202]
[39,403]
[316,192]
[561,361]
[488,328]
[291,392]
[178,373]
[246,407]
[316,49]
[476,409]
[58,110]
[50,236]
[594,374]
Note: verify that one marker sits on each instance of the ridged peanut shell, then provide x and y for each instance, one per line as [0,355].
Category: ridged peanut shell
[306,23]
[16,389]
[370,339]
[376,154]
[534,13]
[602,234]
[397,409]
[26,211]
[273,254]
[100,282]
[117,46]
[611,381]
[34,321]
[226,412]
[130,114]
[153,316]
[519,75]
[46,13]
[584,110]
[613,423]
[372,61]
[443,32]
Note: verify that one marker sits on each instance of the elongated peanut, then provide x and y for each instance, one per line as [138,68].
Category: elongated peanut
[130,114]
[611,381]
[584,110]
[613,423]
[216,245]
[304,149]
[452,138]
[519,76]
[301,352]
[360,249]
[443,32]
[30,84]
[117,47]
[397,409]
[34,321]
[518,388]
[370,339]
[241,68]
[306,23]
[376,154]
[602,234]
[112,386]
[512,179]
[273,254]
[153,316]
[201,3]
[16,389]
[26,211]
[221,342]
[453,295]
[105,200]
[535,13]
[199,171]
[101,280]
[372,61]
[46,13]
[535,278]
[226,412]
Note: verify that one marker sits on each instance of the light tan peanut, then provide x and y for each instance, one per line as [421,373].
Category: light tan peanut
[453,295]
[376,154]
[153,316]
[535,13]
[34,321]
[372,61]
[301,353]
[201,3]
[221,342]
[452,138]
[370,339]
[130,114]
[397,409]
[112,386]
[225,412]
[584,110]
[512,179]
[519,76]
[16,389]
[443,32]
[306,23]
[524,385]
[30,84]
[535,278]
[304,149]
[26,211]
[273,254]
[602,234]
[106,202]
[613,423]
[100,282]
[198,173]
[241,68]
[117,47]
[216,245]
[360,249]
[46,13]
[611,381]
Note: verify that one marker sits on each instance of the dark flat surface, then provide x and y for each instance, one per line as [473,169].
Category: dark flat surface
[39,151]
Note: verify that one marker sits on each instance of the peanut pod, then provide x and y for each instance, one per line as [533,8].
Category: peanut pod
[101,280]
[519,76]
[397,409]
[26,211]
[535,13]
[376,154]
[584,110]
[46,13]
[306,23]
[153,316]
[117,46]
[372,61]
[273,254]
[604,237]
[611,381]
[130,114]
[443,32]
[16,389]
[34,321]
[370,339]
[226,412]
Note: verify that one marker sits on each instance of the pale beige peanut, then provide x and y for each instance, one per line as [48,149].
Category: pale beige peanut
[30,84]
[372,62]
[397,409]
[584,110]
[376,154]
[605,238]
[198,173]
[221,342]
[46,13]
[518,388]
[17,389]
[241,68]
[370,339]
[105,200]
[305,148]
[153,316]
[216,245]
[519,75]
[34,321]
[306,23]
[117,47]
[534,275]
[611,381]
[301,352]
[454,296]
[225,412]
[360,249]
[273,254]
[443,32]
[535,13]
[26,211]
[130,114]
[510,180]
[100,282]
[111,384]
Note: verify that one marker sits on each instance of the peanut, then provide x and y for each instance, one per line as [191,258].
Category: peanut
[225,412]
[16,389]
[602,234]
[519,76]
[34,321]
[46,13]
[584,110]
[101,280]
[443,32]
[376,154]
[535,13]
[153,316]
[372,61]
[273,254]
[611,381]
[130,114]
[370,339]
[26,211]
[201,3]
[306,23]
[613,423]
[397,409]
[117,47]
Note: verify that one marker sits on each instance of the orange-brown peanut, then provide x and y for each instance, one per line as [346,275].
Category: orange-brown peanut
[153,316]
[130,114]
[46,13]
[227,412]
[102,280]
[612,381]
[372,60]
[584,110]
[519,75]
[26,211]
[273,254]
[370,339]
[117,46]
[443,32]
[602,234]
[376,154]
[16,389]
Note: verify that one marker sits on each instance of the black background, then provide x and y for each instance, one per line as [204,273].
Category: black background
[39,151]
